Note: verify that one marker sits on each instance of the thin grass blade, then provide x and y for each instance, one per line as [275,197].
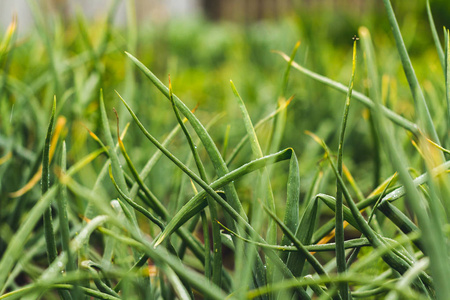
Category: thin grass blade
[117,169]
[291,216]
[64,221]
[266,188]
[217,244]
[419,99]
[361,242]
[8,39]
[304,232]
[447,78]
[331,203]
[394,117]
[258,125]
[435,35]
[45,184]
[301,248]
[339,214]
[136,206]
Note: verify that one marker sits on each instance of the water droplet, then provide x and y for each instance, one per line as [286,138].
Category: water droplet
[115,203]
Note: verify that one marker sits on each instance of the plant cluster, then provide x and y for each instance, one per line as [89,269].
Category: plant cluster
[123,214]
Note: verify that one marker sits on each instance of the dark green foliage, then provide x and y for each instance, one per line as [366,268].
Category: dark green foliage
[177,218]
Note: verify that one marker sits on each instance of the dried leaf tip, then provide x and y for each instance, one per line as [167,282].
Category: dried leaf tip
[118,130]
[170,89]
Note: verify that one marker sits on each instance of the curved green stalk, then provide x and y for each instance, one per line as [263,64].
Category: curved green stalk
[279,124]
[208,143]
[48,223]
[63,219]
[136,206]
[305,228]
[394,117]
[421,106]
[116,167]
[245,138]
[217,244]
[447,78]
[195,204]
[151,162]
[311,259]
[339,226]
[291,216]
[95,269]
[435,35]
[330,201]
[361,242]
[266,187]
[288,70]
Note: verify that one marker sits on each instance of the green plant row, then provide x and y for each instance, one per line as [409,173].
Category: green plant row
[128,215]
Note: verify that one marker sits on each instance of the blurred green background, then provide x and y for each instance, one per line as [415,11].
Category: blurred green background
[72,56]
